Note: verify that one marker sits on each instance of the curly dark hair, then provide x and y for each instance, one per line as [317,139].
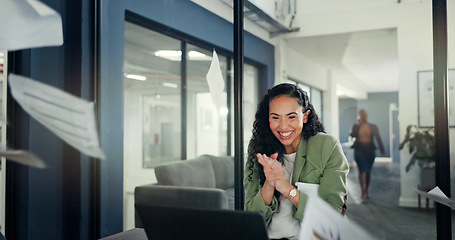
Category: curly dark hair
[263,141]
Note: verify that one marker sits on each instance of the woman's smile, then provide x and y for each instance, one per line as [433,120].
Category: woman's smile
[286,135]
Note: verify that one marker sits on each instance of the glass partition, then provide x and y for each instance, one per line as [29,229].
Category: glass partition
[206,123]
[160,69]
[314,94]
[376,69]
[250,102]
[152,96]
[341,64]
[3,88]
[152,108]
[316,100]
[306,88]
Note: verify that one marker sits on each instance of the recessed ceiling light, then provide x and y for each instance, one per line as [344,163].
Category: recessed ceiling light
[197,56]
[136,77]
[224,111]
[171,85]
[173,55]
[176,55]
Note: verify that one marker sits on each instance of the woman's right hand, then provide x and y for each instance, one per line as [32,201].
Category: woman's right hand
[273,170]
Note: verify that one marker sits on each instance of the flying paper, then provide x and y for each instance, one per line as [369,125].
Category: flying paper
[215,80]
[22,157]
[321,221]
[69,117]
[437,195]
[309,189]
[28,24]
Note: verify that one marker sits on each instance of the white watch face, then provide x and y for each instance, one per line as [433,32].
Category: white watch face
[293,193]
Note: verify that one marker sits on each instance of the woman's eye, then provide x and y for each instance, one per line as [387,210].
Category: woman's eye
[291,117]
[274,117]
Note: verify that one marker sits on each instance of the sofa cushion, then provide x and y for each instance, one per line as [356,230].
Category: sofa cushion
[230,194]
[223,167]
[196,172]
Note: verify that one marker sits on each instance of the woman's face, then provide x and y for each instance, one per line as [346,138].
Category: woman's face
[286,119]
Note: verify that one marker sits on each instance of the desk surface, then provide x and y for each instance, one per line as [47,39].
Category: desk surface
[132,234]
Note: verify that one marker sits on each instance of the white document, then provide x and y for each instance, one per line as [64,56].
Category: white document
[69,117]
[215,80]
[28,24]
[310,189]
[22,157]
[437,195]
[321,221]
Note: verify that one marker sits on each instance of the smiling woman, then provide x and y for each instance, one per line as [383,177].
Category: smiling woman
[289,145]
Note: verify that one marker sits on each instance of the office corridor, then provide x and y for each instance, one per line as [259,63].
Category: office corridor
[385,184]
[381,216]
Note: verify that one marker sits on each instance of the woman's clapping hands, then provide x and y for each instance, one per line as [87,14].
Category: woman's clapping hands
[273,170]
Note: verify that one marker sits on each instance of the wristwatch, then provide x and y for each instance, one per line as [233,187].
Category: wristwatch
[292,193]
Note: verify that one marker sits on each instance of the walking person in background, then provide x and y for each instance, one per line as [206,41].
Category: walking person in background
[364,149]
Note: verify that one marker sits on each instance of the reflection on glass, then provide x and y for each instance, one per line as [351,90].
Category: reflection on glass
[315,96]
[206,124]
[152,96]
[306,88]
[3,91]
[316,100]
[250,101]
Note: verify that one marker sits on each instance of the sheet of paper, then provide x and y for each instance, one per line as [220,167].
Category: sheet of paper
[437,195]
[28,24]
[309,189]
[215,80]
[22,157]
[437,192]
[69,117]
[321,221]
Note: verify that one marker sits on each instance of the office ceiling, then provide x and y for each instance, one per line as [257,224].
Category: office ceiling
[368,57]
[161,73]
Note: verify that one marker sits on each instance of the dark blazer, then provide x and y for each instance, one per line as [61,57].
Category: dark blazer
[374,134]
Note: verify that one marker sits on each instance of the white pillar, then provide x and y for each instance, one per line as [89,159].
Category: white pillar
[330,107]
[280,61]
[415,53]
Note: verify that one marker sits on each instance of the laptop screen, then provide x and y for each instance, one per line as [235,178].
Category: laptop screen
[185,223]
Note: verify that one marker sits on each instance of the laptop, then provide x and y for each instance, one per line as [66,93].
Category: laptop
[164,223]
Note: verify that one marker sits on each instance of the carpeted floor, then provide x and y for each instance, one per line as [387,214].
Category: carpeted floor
[380,215]
[384,186]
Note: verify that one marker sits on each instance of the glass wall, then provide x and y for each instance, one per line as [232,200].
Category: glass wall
[152,96]
[3,88]
[206,124]
[153,90]
[169,114]
[314,94]
[250,102]
[200,121]
[316,100]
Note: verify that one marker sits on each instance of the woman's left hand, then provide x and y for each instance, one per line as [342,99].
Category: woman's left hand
[273,169]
